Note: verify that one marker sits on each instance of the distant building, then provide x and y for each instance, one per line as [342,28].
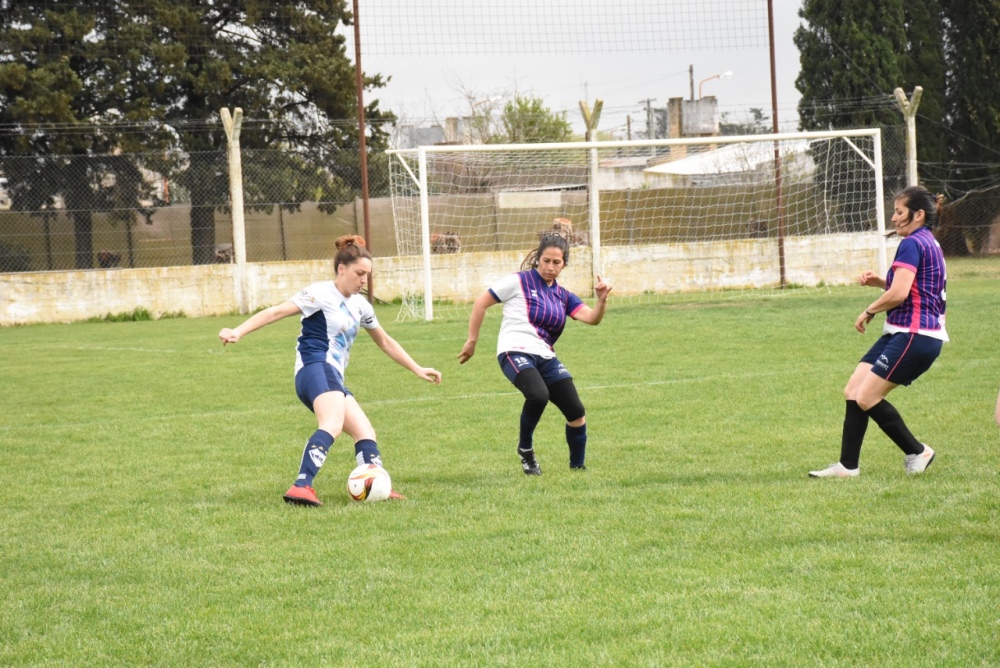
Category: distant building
[412,136]
[731,163]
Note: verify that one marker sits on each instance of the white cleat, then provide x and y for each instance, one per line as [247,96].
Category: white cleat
[836,471]
[919,463]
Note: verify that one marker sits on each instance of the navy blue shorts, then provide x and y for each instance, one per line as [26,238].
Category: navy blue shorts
[551,370]
[316,378]
[901,358]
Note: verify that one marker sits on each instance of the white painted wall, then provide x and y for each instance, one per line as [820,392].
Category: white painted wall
[68,296]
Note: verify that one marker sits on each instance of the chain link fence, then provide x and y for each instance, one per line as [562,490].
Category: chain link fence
[82,212]
[65,213]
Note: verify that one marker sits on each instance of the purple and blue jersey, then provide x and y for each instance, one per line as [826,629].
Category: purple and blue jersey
[922,312]
[534,314]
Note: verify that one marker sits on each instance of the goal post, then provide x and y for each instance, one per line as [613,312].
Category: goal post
[660,220]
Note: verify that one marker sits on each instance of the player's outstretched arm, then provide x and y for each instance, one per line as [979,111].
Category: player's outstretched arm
[391,347]
[483,302]
[258,320]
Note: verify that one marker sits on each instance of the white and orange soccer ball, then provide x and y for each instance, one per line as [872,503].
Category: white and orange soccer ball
[369,482]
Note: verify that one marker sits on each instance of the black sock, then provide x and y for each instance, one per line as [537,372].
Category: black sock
[891,422]
[576,438]
[855,426]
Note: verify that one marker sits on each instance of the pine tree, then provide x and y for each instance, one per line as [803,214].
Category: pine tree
[850,53]
[924,66]
[973,53]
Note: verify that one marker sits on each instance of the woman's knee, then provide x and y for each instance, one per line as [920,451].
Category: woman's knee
[538,398]
[566,398]
[531,385]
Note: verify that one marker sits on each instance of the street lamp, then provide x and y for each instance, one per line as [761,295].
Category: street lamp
[714,76]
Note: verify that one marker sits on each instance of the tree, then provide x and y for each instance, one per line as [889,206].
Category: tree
[850,51]
[526,120]
[758,124]
[851,54]
[284,63]
[171,67]
[53,78]
[924,65]
[972,46]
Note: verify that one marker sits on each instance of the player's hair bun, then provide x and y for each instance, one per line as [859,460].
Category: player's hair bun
[349,240]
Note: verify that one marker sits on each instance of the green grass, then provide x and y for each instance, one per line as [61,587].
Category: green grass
[143,467]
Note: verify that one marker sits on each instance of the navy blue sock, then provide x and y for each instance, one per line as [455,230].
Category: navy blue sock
[576,437]
[313,456]
[366,452]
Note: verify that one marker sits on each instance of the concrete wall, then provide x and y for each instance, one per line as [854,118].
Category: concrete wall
[632,270]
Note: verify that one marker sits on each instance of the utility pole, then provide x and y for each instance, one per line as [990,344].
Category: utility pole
[691,79]
[650,129]
[909,109]
[628,127]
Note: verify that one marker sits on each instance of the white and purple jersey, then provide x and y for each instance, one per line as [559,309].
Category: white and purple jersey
[330,322]
[534,314]
[922,312]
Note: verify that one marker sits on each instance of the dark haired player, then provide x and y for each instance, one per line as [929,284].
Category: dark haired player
[914,332]
[535,307]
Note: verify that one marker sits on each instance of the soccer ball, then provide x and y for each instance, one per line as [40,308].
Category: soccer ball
[369,482]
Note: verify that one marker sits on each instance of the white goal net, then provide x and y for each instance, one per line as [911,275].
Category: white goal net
[659,220]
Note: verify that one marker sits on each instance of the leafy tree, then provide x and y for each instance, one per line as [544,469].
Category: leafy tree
[169,68]
[53,78]
[526,120]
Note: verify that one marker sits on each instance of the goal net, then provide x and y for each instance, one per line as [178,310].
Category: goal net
[660,220]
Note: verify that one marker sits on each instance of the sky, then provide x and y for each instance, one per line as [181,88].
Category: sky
[427,87]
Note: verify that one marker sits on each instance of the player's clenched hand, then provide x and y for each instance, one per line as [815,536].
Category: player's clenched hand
[863,320]
[869,278]
[468,350]
[430,375]
[228,336]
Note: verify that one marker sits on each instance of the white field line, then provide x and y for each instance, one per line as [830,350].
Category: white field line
[410,400]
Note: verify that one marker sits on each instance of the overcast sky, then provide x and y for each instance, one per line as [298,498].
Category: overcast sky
[427,88]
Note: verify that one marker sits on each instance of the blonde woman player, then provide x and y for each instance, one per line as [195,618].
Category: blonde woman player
[332,313]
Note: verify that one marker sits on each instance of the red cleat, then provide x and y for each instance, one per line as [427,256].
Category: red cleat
[396,495]
[302,496]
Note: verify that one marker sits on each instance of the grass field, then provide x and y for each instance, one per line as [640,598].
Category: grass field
[143,467]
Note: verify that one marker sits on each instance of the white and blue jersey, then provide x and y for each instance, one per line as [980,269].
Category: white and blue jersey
[330,323]
[534,314]
[922,312]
